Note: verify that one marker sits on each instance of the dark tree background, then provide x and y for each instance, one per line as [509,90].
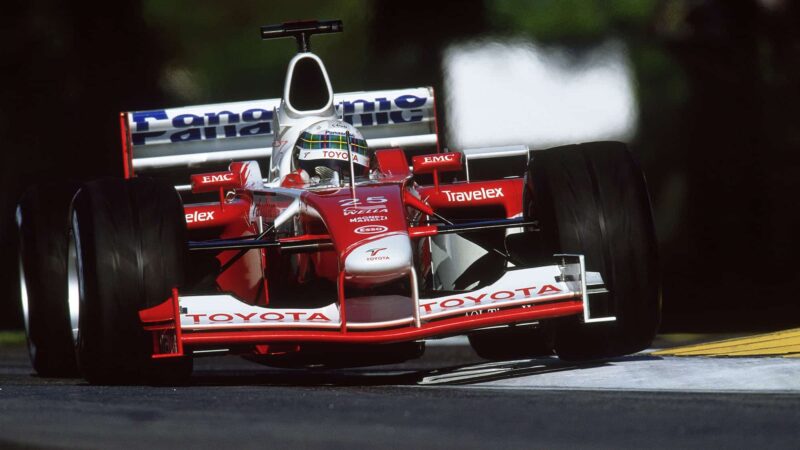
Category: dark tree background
[68,69]
[718,86]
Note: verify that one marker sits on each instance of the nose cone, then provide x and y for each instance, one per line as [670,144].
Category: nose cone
[381,260]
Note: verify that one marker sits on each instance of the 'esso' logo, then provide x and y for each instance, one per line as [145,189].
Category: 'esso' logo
[370,229]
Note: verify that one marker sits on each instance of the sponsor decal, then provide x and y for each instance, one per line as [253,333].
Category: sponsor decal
[370,229]
[362,219]
[383,111]
[195,127]
[469,196]
[374,255]
[253,317]
[217,178]
[149,126]
[359,210]
[333,154]
[442,161]
[339,124]
[199,216]
[487,311]
[490,298]
[438,158]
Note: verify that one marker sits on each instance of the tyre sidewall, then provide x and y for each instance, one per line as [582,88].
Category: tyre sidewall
[43,226]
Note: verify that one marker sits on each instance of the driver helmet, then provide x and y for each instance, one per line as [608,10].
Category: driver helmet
[321,151]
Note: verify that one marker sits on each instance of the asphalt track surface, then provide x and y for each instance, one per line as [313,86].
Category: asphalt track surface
[448,399]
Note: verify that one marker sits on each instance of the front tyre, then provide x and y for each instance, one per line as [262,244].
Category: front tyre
[591,199]
[130,245]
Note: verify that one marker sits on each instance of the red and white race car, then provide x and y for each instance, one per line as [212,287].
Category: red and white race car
[309,240]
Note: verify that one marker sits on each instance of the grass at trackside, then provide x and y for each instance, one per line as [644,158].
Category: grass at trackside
[10,338]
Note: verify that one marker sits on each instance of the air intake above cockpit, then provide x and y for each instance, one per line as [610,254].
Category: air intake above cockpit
[308,88]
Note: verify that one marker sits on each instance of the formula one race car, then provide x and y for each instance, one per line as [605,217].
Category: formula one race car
[308,240]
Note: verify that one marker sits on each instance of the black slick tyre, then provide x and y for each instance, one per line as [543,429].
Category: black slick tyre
[592,199]
[130,242]
[43,227]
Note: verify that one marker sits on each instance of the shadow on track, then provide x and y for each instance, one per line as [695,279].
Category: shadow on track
[441,366]
[461,374]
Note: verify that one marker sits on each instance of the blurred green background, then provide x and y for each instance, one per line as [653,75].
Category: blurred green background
[717,85]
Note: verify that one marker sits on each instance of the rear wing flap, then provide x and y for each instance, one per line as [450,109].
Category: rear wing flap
[190,136]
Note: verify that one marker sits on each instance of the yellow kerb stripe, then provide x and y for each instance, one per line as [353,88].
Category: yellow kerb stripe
[782,343]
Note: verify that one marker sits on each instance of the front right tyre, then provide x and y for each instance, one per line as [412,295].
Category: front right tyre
[43,226]
[129,245]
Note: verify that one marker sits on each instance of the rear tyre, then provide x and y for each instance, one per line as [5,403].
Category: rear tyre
[129,238]
[43,226]
[592,199]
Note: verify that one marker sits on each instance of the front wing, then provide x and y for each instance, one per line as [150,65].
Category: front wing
[520,295]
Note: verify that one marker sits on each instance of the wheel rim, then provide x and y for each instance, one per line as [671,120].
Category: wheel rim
[23,296]
[74,282]
[23,284]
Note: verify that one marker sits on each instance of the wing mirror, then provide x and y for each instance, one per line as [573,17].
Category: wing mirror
[445,162]
[210,182]
[434,163]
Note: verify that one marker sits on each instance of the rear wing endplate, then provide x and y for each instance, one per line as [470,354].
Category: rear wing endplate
[197,135]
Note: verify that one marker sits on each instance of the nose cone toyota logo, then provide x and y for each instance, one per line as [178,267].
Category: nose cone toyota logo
[374,251]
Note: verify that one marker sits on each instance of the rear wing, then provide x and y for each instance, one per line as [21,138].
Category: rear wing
[224,132]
